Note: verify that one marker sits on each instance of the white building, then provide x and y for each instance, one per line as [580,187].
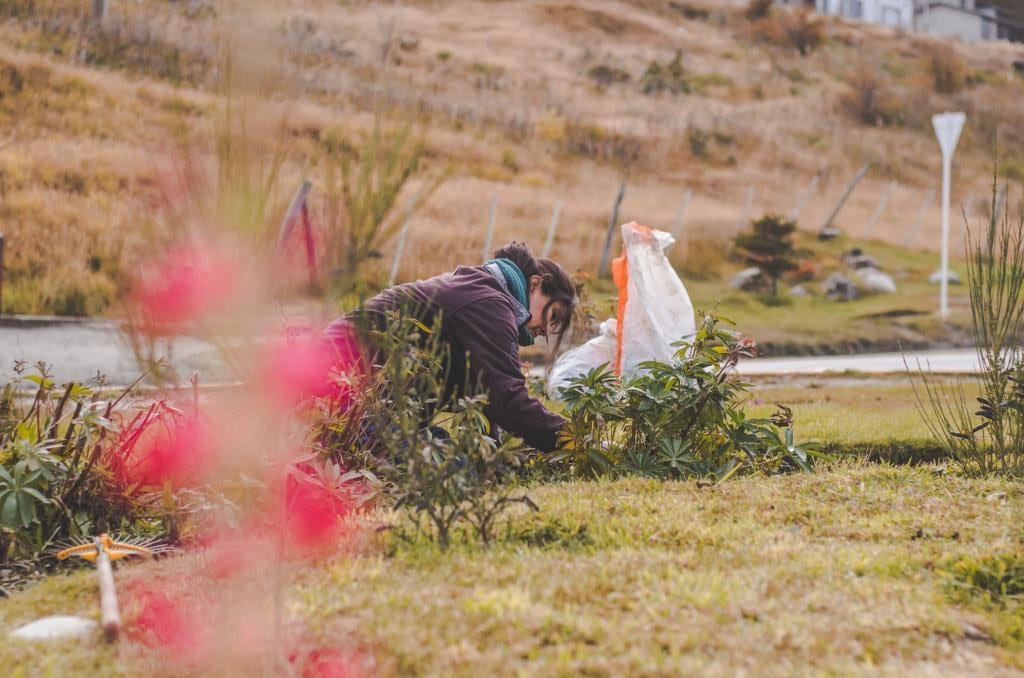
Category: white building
[897,13]
[963,19]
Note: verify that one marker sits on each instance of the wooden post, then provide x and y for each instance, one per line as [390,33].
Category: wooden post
[1000,203]
[912,231]
[846,195]
[746,208]
[491,218]
[550,241]
[307,231]
[1,274]
[400,247]
[110,615]
[677,225]
[879,210]
[811,188]
[99,12]
[294,211]
[603,268]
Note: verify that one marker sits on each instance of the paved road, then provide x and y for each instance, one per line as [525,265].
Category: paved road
[957,361]
[76,350]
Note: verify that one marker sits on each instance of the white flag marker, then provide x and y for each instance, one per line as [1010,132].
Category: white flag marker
[947,128]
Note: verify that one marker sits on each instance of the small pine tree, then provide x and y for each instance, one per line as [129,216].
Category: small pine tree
[769,246]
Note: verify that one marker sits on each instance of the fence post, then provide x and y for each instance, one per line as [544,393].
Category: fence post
[811,188]
[99,12]
[1,273]
[912,231]
[307,231]
[879,210]
[400,247]
[602,269]
[846,195]
[550,241]
[1000,203]
[294,210]
[746,208]
[492,216]
[677,228]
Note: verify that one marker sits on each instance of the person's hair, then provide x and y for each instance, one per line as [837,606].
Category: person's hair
[555,284]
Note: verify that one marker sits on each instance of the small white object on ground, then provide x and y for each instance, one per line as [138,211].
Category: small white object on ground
[876,280]
[55,628]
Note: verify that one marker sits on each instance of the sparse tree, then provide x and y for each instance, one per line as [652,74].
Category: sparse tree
[769,246]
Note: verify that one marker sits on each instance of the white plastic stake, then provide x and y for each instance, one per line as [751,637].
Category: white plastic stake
[746,209]
[491,217]
[947,128]
[870,230]
[811,188]
[550,240]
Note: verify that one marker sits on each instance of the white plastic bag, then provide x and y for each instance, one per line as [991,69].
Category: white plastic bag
[654,312]
[580,360]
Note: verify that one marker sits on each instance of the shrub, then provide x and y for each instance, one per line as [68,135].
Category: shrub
[988,440]
[56,449]
[801,30]
[442,481]
[948,71]
[605,75]
[362,185]
[669,78]
[758,9]
[871,99]
[677,419]
[996,579]
[769,246]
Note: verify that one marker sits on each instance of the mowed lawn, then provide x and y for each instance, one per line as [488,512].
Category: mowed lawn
[843,571]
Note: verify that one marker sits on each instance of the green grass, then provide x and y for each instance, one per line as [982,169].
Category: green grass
[834,573]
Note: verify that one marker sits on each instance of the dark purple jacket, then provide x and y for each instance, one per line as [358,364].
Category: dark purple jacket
[477,322]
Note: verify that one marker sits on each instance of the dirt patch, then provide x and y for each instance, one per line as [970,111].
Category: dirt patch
[573,18]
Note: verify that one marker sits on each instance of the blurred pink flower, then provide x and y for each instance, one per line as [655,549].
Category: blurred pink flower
[164,448]
[183,286]
[300,369]
[312,516]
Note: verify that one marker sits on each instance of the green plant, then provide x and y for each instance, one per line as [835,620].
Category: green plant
[669,77]
[362,186]
[55,448]
[997,579]
[677,419]
[419,446]
[769,246]
[989,440]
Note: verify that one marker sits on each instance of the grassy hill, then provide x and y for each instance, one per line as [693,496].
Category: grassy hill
[110,129]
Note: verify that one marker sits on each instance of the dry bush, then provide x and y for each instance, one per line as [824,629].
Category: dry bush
[758,9]
[947,70]
[801,30]
[871,99]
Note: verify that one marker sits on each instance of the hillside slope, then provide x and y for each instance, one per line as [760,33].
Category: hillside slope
[529,102]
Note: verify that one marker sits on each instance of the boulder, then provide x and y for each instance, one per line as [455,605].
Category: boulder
[829,233]
[838,287]
[876,281]
[798,291]
[857,259]
[748,280]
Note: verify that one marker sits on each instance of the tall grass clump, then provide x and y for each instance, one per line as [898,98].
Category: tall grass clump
[987,438]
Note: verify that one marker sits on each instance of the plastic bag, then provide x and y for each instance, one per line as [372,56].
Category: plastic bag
[598,351]
[654,312]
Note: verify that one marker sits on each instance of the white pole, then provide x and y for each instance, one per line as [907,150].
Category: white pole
[947,128]
[870,230]
[947,167]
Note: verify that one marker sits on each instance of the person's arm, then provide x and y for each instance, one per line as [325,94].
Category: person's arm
[486,329]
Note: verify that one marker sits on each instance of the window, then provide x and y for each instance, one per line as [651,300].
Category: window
[853,8]
[891,16]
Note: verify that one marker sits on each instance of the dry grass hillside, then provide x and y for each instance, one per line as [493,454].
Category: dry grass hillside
[531,102]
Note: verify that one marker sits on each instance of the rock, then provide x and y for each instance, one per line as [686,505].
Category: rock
[1018,66]
[936,278]
[55,628]
[829,233]
[798,291]
[876,281]
[838,287]
[748,280]
[857,259]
